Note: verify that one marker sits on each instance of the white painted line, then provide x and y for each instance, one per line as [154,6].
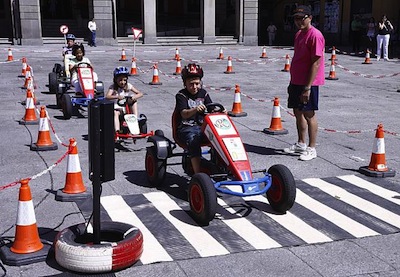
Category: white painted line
[294,224]
[356,201]
[248,231]
[201,240]
[118,210]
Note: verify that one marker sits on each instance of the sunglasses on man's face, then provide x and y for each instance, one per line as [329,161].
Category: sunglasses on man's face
[302,18]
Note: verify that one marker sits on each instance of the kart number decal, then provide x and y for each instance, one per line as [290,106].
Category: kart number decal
[88,84]
[86,72]
[223,125]
[235,149]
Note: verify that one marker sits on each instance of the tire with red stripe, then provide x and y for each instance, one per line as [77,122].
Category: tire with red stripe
[121,246]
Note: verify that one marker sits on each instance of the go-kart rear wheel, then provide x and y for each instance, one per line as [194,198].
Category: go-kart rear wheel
[53,76]
[155,168]
[142,124]
[282,193]
[66,105]
[202,198]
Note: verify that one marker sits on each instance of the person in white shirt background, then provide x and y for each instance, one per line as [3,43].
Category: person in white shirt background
[92,27]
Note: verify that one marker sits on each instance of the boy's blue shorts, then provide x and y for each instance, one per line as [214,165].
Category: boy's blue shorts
[294,102]
[192,137]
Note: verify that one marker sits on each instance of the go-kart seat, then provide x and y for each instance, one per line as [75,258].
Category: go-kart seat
[175,135]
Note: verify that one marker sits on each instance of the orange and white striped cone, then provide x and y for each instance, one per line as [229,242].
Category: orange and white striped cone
[30,117]
[332,72]
[221,54]
[28,75]
[44,142]
[275,128]
[237,104]
[74,188]
[24,65]
[10,56]
[27,247]
[377,166]
[367,57]
[264,53]
[229,67]
[333,55]
[178,69]
[155,80]
[287,64]
[133,67]
[123,56]
[177,54]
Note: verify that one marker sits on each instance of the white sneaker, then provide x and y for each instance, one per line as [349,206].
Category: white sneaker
[378,58]
[296,148]
[387,59]
[309,154]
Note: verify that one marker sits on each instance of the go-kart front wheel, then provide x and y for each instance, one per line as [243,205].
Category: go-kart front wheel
[66,105]
[155,168]
[282,193]
[202,198]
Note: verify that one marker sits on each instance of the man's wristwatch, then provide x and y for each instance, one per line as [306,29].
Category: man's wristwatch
[307,88]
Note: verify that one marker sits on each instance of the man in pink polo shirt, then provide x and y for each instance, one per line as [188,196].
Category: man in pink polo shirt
[306,75]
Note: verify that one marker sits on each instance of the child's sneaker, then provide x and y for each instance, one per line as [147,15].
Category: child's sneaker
[296,148]
[309,154]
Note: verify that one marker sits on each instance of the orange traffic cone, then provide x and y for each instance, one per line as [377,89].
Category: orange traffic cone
[23,71]
[30,117]
[264,53]
[287,64]
[367,57]
[332,72]
[27,247]
[275,128]
[237,105]
[155,80]
[221,54]
[123,55]
[74,188]
[28,75]
[178,69]
[229,68]
[44,142]
[177,54]
[377,166]
[26,233]
[10,57]
[333,55]
[133,67]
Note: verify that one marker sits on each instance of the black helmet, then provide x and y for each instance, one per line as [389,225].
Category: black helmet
[121,70]
[192,70]
[70,36]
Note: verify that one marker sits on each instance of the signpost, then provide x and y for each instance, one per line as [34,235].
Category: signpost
[64,31]
[136,34]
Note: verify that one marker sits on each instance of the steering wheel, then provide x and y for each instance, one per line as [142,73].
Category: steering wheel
[214,108]
[122,102]
[83,64]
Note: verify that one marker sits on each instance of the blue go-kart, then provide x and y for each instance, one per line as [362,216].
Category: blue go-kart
[225,168]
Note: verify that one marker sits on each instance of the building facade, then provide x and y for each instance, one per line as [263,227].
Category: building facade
[30,22]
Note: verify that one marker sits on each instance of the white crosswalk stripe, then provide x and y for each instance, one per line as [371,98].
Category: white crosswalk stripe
[325,210]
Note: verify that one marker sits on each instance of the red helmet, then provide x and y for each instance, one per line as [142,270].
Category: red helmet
[192,70]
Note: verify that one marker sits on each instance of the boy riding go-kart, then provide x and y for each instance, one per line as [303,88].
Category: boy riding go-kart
[83,79]
[225,167]
[127,123]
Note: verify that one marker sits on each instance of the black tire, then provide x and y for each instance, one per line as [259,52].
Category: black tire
[66,106]
[121,246]
[202,198]
[58,68]
[159,133]
[53,85]
[156,169]
[282,193]
[59,94]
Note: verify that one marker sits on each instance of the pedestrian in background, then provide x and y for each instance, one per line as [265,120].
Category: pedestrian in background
[383,37]
[271,29]
[371,32]
[92,28]
[306,75]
